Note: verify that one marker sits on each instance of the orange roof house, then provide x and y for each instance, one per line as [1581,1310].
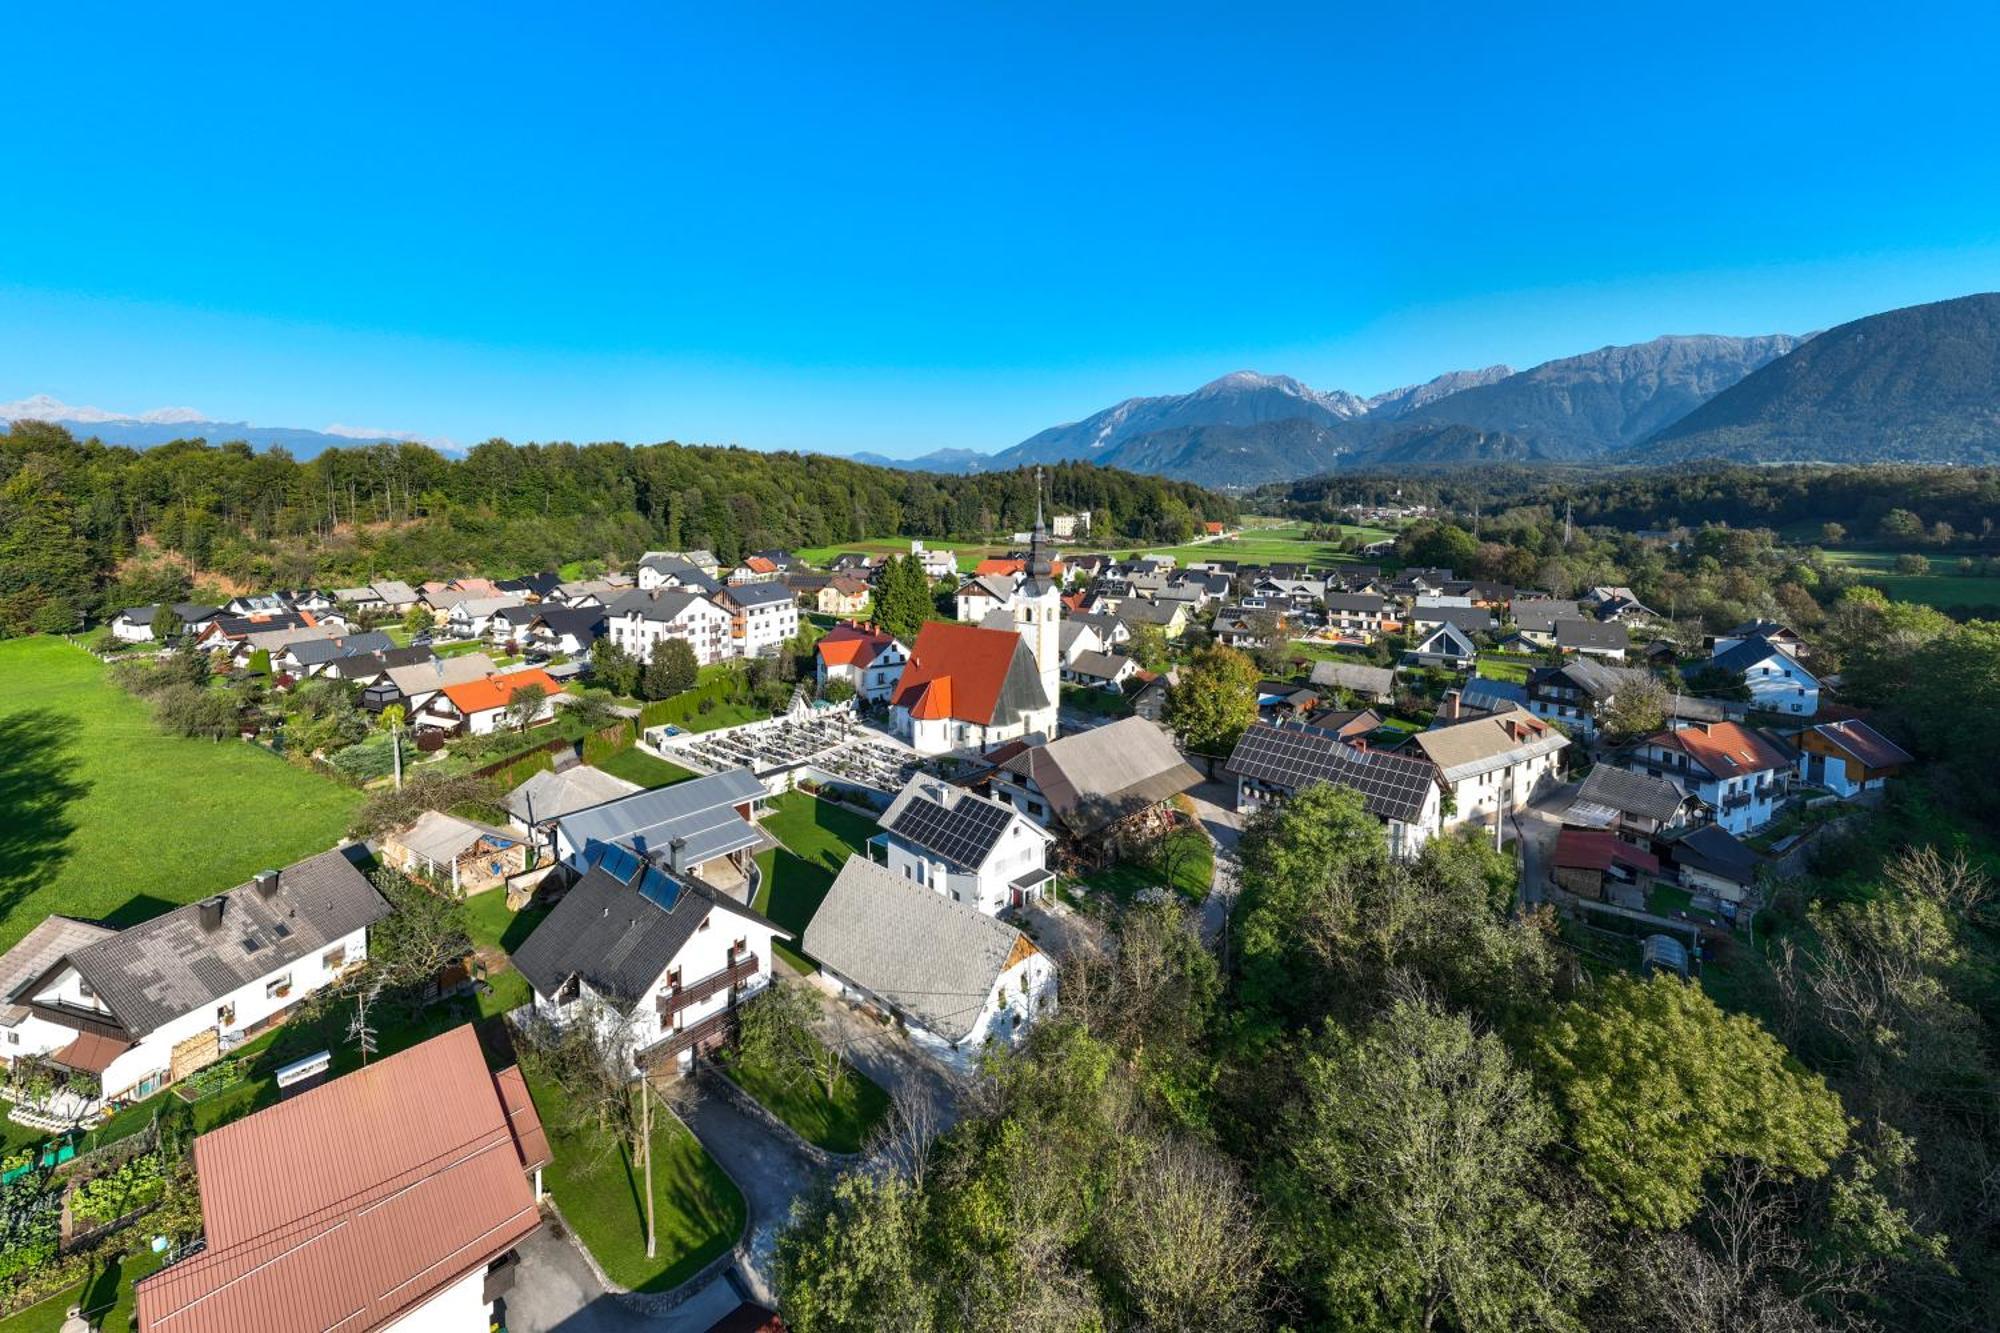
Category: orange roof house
[852,645]
[970,674]
[1015,565]
[1725,749]
[354,1204]
[497,690]
[758,564]
[1212,528]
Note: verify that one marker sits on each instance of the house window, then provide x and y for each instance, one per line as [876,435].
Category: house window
[278,988]
[13,1039]
[83,989]
[225,1015]
[334,959]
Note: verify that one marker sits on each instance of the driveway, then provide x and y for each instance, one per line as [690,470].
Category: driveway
[886,1056]
[556,1292]
[1535,827]
[1214,807]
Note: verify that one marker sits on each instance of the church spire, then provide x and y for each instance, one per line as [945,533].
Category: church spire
[1039,565]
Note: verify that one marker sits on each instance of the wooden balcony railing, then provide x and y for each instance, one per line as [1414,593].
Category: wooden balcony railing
[670,1046]
[714,983]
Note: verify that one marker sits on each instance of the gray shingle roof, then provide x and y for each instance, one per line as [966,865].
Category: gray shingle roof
[912,947]
[1630,792]
[758,594]
[40,949]
[614,938]
[158,970]
[1591,634]
[1092,779]
[548,795]
[1370,680]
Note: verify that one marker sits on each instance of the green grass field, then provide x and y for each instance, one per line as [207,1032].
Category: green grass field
[969,553]
[1193,871]
[840,1123]
[1268,544]
[1507,666]
[819,837]
[103,816]
[635,765]
[1878,567]
[698,1211]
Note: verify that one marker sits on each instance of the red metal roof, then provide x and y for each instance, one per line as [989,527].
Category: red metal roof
[1594,849]
[353,1203]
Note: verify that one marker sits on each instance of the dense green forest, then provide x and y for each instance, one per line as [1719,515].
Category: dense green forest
[73,513]
[1858,498]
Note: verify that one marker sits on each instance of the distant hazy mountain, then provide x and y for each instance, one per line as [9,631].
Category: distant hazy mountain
[1401,402]
[1248,428]
[938,460]
[1579,406]
[1921,384]
[1241,399]
[161,425]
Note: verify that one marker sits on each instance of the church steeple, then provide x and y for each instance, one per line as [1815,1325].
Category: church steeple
[1039,564]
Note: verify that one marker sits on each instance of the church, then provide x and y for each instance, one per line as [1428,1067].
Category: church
[969,686]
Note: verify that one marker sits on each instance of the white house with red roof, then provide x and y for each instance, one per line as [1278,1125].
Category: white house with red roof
[966,689]
[477,707]
[1738,772]
[862,656]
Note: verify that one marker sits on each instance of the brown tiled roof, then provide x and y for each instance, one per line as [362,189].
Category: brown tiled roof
[353,1203]
[1725,749]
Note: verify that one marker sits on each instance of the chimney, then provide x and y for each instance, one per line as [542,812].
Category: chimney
[267,883]
[211,913]
[1449,705]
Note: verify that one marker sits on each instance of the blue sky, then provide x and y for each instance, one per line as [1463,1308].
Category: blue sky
[902,228]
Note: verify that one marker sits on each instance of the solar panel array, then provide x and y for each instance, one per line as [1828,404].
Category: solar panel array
[621,863]
[962,835]
[1394,786]
[660,889]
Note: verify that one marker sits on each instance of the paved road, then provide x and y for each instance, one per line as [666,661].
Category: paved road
[1536,828]
[1213,806]
[557,1293]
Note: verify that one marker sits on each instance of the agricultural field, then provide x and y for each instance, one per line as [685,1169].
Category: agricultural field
[105,817]
[1264,543]
[1941,590]
[969,553]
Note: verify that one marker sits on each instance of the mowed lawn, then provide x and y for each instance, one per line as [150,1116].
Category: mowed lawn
[818,837]
[1936,589]
[103,816]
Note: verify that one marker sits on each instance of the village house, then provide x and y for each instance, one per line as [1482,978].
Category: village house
[970,848]
[1370,684]
[1579,691]
[573,630]
[967,689]
[470,857]
[1247,628]
[754,569]
[1447,647]
[1709,859]
[1101,671]
[956,978]
[843,596]
[764,617]
[126,1014]
[1635,806]
[661,957]
[534,807]
[1356,615]
[1849,757]
[1172,617]
[702,828]
[303,658]
[480,707]
[135,623]
[1101,789]
[1776,681]
[1736,771]
[638,621]
[935,564]
[1779,635]
[391,1198]
[861,656]
[1274,761]
[981,595]
[1493,766]
[1149,700]
[663,564]
[1535,619]
[472,618]
[1592,862]
[411,686]
[1593,638]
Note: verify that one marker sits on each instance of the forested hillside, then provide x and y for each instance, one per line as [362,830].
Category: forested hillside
[73,513]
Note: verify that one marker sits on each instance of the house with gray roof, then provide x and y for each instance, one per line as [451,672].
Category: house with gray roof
[536,805]
[135,623]
[143,1007]
[1372,683]
[660,959]
[1090,784]
[1493,766]
[957,979]
[311,657]
[703,828]
[1632,804]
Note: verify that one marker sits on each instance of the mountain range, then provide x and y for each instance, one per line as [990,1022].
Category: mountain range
[1920,384]
[145,429]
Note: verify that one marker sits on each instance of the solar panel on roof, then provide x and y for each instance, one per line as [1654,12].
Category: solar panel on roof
[660,889]
[1294,757]
[618,862]
[962,835]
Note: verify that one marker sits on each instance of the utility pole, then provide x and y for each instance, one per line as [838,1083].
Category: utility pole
[646,1129]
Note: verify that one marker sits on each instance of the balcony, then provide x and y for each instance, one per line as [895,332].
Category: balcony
[713,984]
[708,1032]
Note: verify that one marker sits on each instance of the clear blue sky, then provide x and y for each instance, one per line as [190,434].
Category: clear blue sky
[848,227]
